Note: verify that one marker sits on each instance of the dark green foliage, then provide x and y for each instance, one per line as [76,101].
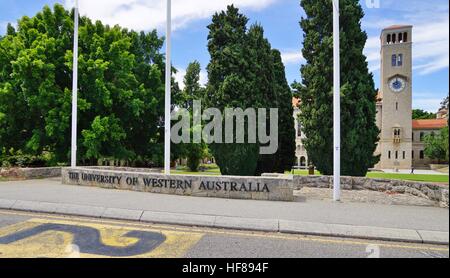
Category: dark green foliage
[281,98]
[444,103]
[121,89]
[436,146]
[245,72]
[194,152]
[419,114]
[231,84]
[286,138]
[359,131]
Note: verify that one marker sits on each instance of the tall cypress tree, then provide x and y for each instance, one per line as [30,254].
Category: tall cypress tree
[232,84]
[286,137]
[358,127]
[280,97]
[193,91]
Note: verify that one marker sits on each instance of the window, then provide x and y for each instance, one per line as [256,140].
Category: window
[303,161]
[396,106]
[396,154]
[394,38]
[389,38]
[389,154]
[404,155]
[422,155]
[422,135]
[400,60]
[394,60]
[400,38]
[405,37]
[299,129]
[397,135]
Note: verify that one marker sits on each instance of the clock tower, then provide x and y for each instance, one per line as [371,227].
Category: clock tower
[395,112]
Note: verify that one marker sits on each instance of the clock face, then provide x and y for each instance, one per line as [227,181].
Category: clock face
[397,84]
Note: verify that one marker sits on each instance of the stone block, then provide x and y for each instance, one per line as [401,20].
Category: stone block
[268,188]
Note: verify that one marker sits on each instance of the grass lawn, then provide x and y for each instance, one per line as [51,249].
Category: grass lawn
[409,177]
[394,176]
[209,170]
[214,171]
[206,173]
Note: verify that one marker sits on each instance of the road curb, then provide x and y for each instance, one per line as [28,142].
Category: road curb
[235,223]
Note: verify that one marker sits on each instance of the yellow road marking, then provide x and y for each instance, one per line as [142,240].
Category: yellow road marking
[181,229]
[57,244]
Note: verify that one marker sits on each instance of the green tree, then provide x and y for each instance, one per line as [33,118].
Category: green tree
[193,91]
[444,103]
[281,97]
[419,114]
[262,71]
[436,146]
[121,89]
[231,84]
[286,150]
[359,131]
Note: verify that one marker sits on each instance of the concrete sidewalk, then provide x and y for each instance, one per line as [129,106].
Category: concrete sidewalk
[358,220]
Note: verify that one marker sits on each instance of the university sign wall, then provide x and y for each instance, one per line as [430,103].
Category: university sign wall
[257,188]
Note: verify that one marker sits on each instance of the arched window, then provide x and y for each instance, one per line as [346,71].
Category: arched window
[302,161]
[394,38]
[389,154]
[405,37]
[389,39]
[404,155]
[400,60]
[394,60]
[400,37]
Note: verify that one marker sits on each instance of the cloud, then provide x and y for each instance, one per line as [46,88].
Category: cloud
[292,57]
[428,104]
[372,52]
[430,51]
[179,77]
[150,14]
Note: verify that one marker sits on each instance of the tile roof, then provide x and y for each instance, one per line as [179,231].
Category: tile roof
[392,27]
[429,124]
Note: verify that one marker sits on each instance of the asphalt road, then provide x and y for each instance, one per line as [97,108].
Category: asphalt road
[32,235]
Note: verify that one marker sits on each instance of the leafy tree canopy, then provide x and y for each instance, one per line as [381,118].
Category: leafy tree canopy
[121,88]
[419,114]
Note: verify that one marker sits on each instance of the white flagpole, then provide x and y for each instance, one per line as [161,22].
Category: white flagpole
[337,104]
[75,90]
[168,91]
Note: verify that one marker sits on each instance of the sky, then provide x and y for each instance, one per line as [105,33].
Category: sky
[280,19]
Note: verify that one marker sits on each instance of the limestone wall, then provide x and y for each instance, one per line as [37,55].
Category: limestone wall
[434,192]
[31,173]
